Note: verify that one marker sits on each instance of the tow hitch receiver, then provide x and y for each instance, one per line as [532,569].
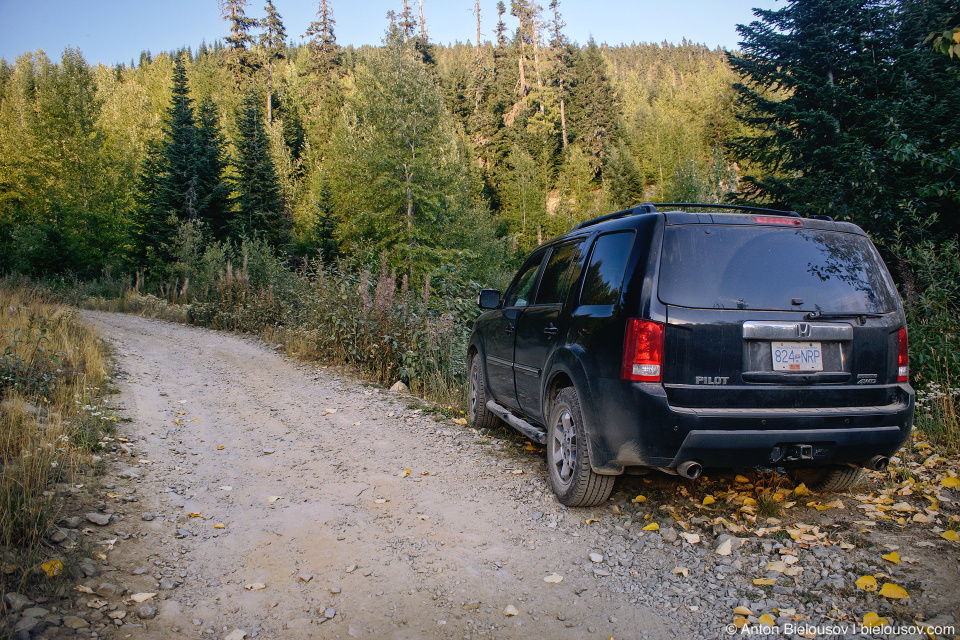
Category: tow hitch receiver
[791,453]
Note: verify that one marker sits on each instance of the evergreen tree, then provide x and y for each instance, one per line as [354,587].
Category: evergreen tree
[240,59]
[273,39]
[213,192]
[182,175]
[822,83]
[401,183]
[594,107]
[260,209]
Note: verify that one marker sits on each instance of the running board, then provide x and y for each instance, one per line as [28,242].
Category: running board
[537,435]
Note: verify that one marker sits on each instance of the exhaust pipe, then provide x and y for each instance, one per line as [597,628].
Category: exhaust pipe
[690,470]
[878,463]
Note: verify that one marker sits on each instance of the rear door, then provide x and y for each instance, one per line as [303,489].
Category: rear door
[500,337]
[776,316]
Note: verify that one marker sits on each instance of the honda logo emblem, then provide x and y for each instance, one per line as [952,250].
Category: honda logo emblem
[803,330]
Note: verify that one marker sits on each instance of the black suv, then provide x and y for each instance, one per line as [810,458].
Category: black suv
[722,337]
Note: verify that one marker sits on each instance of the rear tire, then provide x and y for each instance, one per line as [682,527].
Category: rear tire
[480,416]
[821,479]
[571,477]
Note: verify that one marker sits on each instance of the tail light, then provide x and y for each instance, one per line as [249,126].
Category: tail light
[642,350]
[903,358]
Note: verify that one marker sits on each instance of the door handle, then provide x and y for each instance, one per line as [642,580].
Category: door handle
[511,328]
[551,330]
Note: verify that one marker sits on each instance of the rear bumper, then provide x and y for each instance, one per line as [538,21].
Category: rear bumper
[763,448]
[635,425]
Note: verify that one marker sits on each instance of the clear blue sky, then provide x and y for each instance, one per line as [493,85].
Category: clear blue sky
[111,31]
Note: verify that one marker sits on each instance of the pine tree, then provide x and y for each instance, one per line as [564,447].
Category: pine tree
[401,178]
[213,192]
[594,107]
[810,88]
[240,59]
[260,209]
[323,43]
[273,39]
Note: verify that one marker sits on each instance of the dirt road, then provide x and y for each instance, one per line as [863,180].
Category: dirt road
[289,501]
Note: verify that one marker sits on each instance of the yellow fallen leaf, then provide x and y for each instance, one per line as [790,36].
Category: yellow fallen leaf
[639,499]
[145,461]
[739,622]
[846,546]
[749,502]
[404,473]
[553,578]
[779,566]
[196,419]
[742,611]
[461,421]
[52,568]
[84,589]
[764,582]
[219,447]
[801,490]
[380,501]
[681,571]
[255,586]
[219,525]
[274,498]
[867,583]
[951,535]
[894,592]
[767,620]
[893,557]
[330,410]
[741,479]
[591,520]
[653,526]
[194,514]
[950,483]
[708,500]
[874,620]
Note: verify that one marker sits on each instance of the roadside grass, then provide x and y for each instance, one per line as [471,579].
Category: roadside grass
[53,373]
[340,314]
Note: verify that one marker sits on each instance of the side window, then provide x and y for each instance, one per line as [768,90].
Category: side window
[608,262]
[554,281]
[521,292]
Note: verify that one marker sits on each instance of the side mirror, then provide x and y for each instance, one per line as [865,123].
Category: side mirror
[488,299]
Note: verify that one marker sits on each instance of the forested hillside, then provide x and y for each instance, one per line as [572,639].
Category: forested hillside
[420,160]
[430,153]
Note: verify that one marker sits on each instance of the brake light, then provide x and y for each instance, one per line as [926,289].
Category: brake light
[903,358]
[642,350]
[790,222]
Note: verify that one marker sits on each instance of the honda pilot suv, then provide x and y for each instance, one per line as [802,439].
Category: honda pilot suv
[724,337]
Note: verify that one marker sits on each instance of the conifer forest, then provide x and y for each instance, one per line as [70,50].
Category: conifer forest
[445,164]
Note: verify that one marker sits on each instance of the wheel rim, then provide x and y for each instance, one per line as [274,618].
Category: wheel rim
[564,447]
[473,390]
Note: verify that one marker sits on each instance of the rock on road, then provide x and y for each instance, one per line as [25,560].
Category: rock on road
[273,498]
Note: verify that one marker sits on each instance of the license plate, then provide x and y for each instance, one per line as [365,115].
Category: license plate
[797,356]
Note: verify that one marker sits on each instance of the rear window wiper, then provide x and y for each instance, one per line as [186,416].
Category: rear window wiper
[861,317]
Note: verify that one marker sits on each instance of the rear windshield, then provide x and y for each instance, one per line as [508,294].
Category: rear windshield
[772,268]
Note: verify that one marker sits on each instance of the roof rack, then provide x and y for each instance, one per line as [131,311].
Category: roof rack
[651,207]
